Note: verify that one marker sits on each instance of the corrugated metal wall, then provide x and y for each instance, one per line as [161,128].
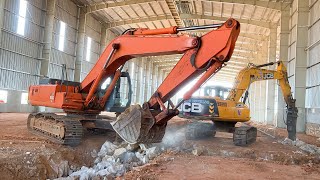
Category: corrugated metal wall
[67,12]
[93,31]
[292,45]
[313,71]
[20,55]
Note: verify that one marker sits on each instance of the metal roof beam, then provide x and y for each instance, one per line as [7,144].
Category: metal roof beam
[266,4]
[134,21]
[174,12]
[264,24]
[101,6]
[254,36]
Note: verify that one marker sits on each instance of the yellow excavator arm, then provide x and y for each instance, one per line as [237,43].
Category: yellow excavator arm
[255,73]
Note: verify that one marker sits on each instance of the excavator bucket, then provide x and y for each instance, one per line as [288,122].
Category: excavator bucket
[137,125]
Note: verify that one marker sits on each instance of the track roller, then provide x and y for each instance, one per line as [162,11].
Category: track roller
[200,130]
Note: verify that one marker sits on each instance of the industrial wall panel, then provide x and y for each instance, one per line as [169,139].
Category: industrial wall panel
[314,34]
[64,15]
[294,6]
[94,57]
[313,72]
[291,80]
[16,81]
[71,33]
[93,23]
[313,76]
[19,44]
[86,67]
[55,71]
[15,61]
[314,54]
[69,46]
[93,33]
[314,12]
[313,97]
[32,31]
[291,68]
[37,3]
[19,55]
[65,11]
[68,6]
[57,59]
[33,18]
[95,47]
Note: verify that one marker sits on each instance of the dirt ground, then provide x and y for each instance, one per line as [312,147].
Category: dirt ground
[25,156]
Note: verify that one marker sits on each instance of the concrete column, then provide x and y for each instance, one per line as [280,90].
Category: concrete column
[255,112]
[2,6]
[103,40]
[139,63]
[271,83]
[148,80]
[80,44]
[160,75]
[48,33]
[301,62]
[283,56]
[154,78]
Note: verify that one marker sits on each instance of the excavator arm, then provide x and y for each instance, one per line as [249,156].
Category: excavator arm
[254,73]
[147,123]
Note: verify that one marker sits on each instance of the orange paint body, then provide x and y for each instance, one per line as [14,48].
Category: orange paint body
[217,44]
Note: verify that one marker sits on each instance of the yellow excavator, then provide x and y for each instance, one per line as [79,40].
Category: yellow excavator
[225,113]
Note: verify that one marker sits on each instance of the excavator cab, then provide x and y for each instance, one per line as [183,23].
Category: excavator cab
[216,91]
[120,98]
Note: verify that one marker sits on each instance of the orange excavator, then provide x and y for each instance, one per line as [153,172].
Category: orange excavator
[83,102]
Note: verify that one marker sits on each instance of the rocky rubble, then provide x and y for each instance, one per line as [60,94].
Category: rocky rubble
[114,160]
[312,149]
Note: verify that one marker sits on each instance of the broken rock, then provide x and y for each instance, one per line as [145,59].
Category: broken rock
[128,157]
[132,147]
[107,149]
[152,152]
[118,152]
[197,151]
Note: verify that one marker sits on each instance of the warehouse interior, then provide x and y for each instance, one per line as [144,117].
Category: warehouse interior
[65,38]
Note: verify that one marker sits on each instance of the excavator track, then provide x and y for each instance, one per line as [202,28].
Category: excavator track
[244,135]
[199,130]
[57,128]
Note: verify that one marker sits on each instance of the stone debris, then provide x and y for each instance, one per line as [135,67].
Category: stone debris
[312,149]
[94,153]
[61,169]
[107,149]
[197,151]
[115,160]
[227,153]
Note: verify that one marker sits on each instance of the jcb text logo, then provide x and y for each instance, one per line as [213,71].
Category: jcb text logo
[188,107]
